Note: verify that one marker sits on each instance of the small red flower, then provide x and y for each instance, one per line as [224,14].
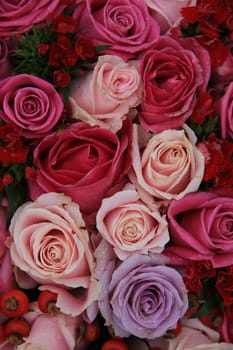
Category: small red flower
[69,58]
[64,25]
[190,14]
[61,78]
[224,285]
[7,179]
[84,48]
[203,108]
[43,49]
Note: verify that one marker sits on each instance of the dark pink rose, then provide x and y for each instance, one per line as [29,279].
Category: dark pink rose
[201,228]
[5,65]
[174,72]
[30,103]
[19,16]
[85,162]
[126,27]
[6,269]
[226,112]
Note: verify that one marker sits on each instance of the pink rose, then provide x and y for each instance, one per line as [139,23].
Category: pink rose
[5,64]
[167,166]
[105,95]
[174,72]
[193,336]
[126,27]
[6,269]
[19,17]
[30,103]
[86,163]
[201,229]
[51,244]
[167,12]
[52,332]
[226,112]
[130,226]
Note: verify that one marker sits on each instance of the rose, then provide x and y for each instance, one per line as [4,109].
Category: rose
[140,297]
[6,269]
[226,112]
[169,165]
[130,226]
[167,13]
[86,163]
[174,72]
[63,333]
[51,244]
[105,95]
[126,28]
[30,103]
[5,64]
[201,229]
[194,335]
[19,17]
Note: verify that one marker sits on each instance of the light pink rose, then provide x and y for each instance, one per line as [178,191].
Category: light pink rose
[167,12]
[30,103]
[6,269]
[126,27]
[174,72]
[19,16]
[105,95]
[226,112]
[52,333]
[193,336]
[51,244]
[169,165]
[130,226]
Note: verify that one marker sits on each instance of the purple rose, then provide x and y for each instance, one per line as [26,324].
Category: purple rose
[140,297]
[127,27]
[30,103]
[174,72]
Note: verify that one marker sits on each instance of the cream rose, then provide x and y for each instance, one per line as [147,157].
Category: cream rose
[51,244]
[130,226]
[105,95]
[169,165]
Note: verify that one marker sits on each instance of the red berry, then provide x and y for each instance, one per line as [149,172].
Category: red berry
[16,330]
[14,303]
[47,301]
[92,331]
[114,344]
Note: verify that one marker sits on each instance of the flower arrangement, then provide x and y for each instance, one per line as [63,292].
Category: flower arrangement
[116,175]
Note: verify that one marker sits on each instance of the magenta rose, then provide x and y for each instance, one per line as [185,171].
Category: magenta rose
[6,268]
[86,163]
[168,12]
[226,112]
[174,72]
[105,95]
[168,165]
[5,64]
[19,16]
[201,229]
[126,27]
[51,244]
[130,226]
[30,103]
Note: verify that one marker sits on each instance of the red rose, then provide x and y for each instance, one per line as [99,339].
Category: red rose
[84,162]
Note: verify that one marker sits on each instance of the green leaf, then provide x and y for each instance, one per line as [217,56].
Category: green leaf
[17,195]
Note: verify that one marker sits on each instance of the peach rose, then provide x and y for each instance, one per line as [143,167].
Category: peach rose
[130,226]
[169,165]
[105,95]
[51,244]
